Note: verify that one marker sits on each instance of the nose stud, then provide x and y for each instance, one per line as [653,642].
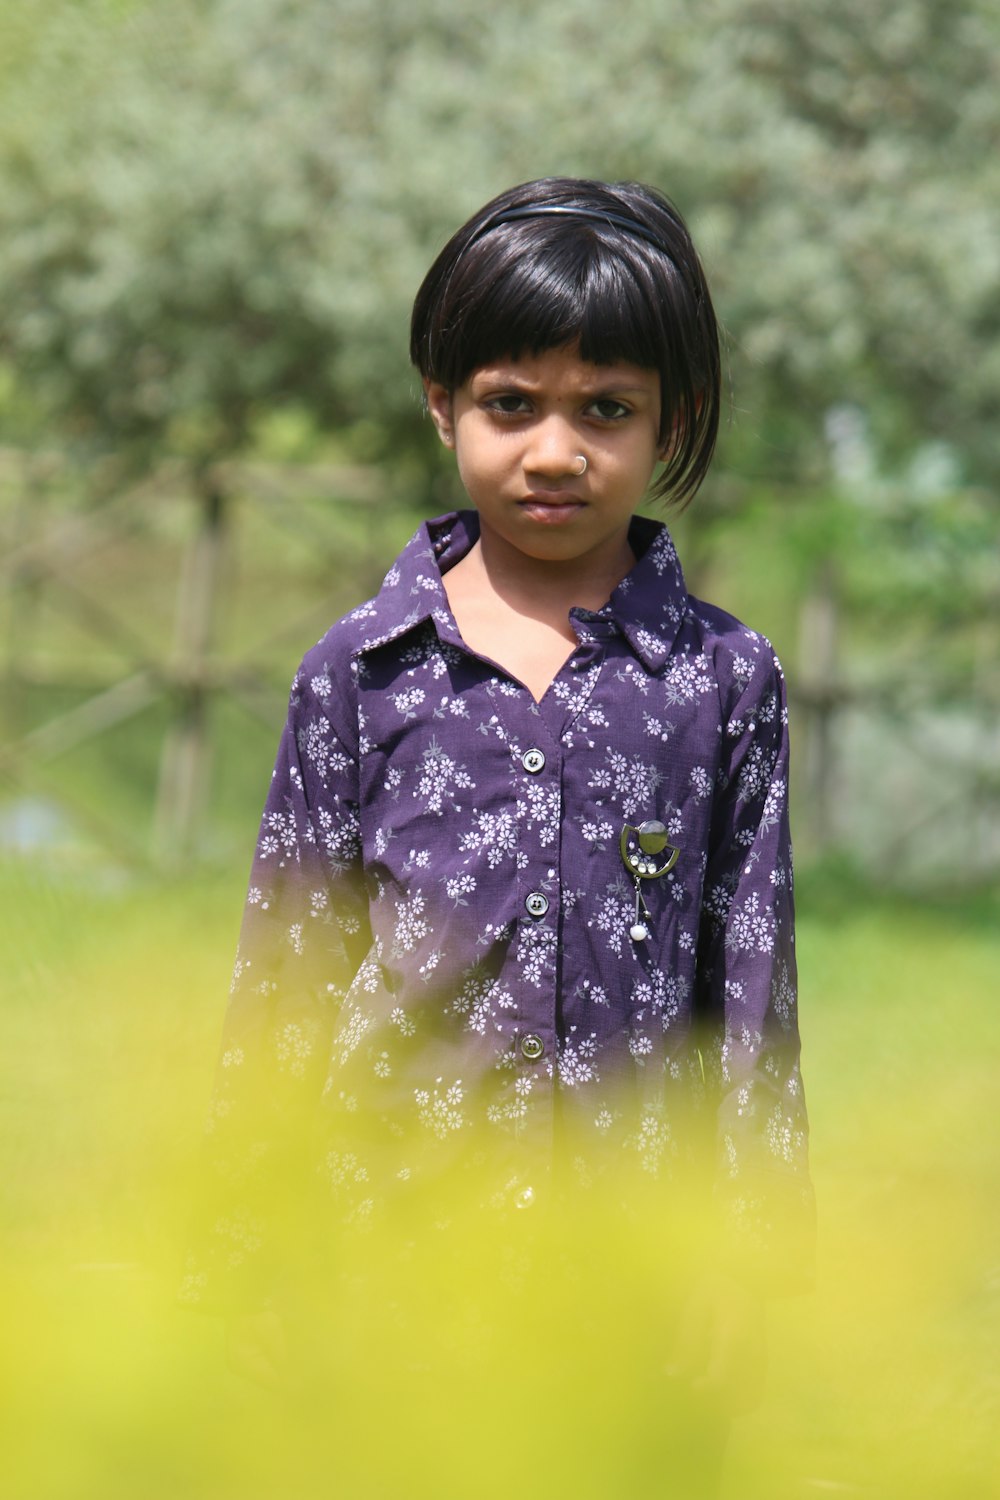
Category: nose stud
[582,461]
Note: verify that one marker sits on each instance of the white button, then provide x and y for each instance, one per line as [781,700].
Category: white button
[537,904]
[532,1046]
[533,760]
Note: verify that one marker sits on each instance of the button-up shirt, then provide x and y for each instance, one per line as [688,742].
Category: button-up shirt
[454,941]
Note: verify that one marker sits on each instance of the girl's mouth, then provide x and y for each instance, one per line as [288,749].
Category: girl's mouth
[551,508]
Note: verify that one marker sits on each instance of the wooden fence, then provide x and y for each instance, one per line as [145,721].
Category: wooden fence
[66,559]
[147,599]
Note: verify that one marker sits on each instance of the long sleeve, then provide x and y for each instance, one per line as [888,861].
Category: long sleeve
[304,933]
[747,985]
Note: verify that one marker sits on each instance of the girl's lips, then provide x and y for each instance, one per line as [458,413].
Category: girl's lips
[550,509]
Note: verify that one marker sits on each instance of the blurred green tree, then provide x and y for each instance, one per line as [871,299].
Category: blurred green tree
[214,215]
[206,209]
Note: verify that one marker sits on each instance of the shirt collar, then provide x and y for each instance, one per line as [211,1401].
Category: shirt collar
[651,601]
[647,606]
[412,591]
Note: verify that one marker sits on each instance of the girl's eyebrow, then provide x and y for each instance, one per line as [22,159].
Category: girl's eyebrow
[508,381]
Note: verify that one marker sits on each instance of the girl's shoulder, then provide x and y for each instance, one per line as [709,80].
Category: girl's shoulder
[720,631]
[742,660]
[325,687]
[339,645]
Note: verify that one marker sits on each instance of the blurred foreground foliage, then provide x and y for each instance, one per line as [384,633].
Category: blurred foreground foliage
[513,1363]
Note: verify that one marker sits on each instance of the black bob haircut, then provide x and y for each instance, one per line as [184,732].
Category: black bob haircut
[608,266]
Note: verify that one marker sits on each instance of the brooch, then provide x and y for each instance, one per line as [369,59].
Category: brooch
[647,854]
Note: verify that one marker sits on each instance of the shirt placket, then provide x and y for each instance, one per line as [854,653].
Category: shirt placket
[537,767]
[536,738]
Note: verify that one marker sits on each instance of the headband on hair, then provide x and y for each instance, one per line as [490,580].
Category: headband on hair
[600,216]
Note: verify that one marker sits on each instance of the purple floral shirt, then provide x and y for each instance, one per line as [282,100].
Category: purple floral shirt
[438,953]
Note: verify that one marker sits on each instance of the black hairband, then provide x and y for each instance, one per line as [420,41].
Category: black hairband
[599,215]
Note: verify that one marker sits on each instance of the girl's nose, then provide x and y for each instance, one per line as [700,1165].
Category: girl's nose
[554,452]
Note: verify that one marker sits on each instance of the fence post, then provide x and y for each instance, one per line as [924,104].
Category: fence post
[819,689]
[182,792]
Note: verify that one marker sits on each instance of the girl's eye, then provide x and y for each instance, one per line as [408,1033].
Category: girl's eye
[609,410]
[509,405]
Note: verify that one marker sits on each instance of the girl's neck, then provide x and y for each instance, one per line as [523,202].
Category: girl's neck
[540,587]
[514,609]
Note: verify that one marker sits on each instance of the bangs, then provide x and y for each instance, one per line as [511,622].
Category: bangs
[530,297]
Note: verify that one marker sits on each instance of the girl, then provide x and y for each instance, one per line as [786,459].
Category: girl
[521,908]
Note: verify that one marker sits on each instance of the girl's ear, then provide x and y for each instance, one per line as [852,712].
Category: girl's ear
[439,404]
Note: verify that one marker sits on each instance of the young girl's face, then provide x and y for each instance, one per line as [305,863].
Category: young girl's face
[519,428]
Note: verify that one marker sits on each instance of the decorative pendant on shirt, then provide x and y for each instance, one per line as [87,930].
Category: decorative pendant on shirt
[647,854]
